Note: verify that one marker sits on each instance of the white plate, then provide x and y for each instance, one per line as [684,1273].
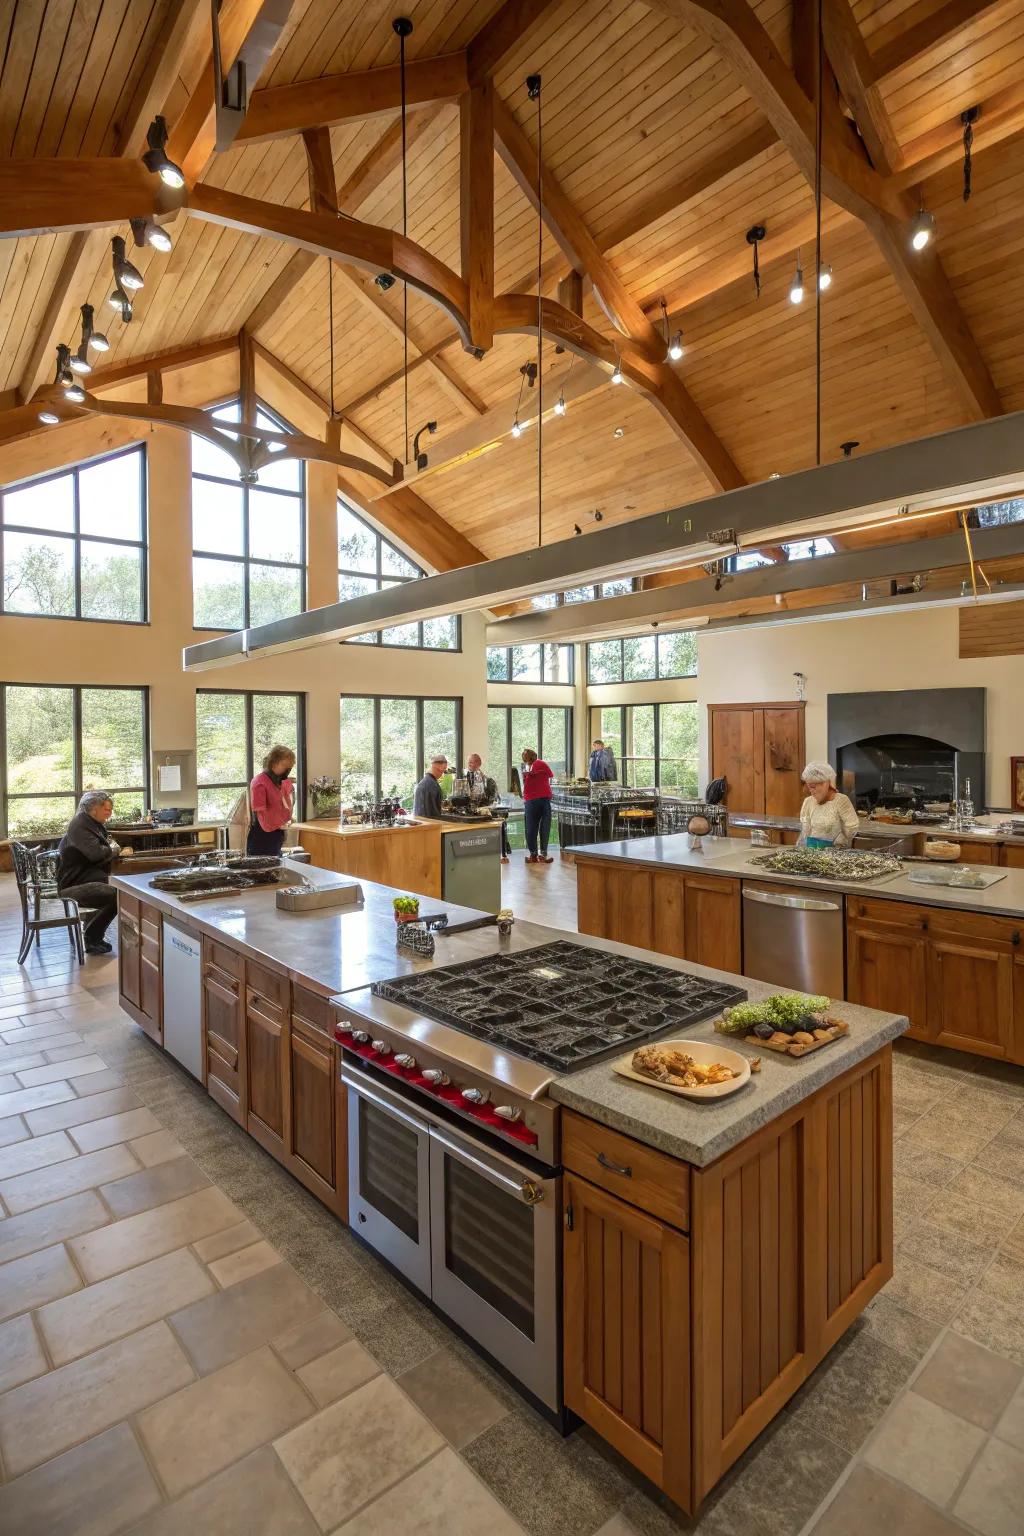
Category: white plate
[700,1051]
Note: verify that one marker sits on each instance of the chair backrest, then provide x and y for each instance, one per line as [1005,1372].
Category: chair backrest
[22,872]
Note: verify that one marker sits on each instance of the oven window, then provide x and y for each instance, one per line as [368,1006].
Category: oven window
[388,1168]
[488,1238]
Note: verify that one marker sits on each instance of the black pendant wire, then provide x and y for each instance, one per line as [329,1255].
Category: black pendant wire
[330,324]
[818,123]
[403,31]
[533,87]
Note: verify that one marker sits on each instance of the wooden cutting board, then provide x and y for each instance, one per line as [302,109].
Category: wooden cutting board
[837,1028]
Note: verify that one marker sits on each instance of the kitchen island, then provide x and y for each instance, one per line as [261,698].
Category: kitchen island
[414,854]
[712,1253]
[951,960]
[983,843]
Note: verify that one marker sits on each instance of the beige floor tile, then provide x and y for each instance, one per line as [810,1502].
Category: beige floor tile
[1011,1425]
[229,1241]
[868,1502]
[252,1497]
[21,1354]
[924,1446]
[34,1098]
[980,1187]
[78,1066]
[40,1152]
[923,1291]
[111,1129]
[153,1186]
[311,1339]
[353,1450]
[996,1324]
[992,1499]
[226,1326]
[51,1224]
[978,1223]
[152,1233]
[100,1313]
[35,1279]
[338,1372]
[46,1184]
[98,1082]
[16,1058]
[442,1498]
[65,1407]
[97,1489]
[78,1111]
[12,1129]
[157,1147]
[247,1261]
[1004,1278]
[969,1381]
[64,1052]
[212,1423]
[453,1396]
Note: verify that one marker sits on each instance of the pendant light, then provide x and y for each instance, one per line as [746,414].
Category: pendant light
[673,347]
[922,228]
[155,159]
[825,278]
[796,287]
[755,234]
[968,119]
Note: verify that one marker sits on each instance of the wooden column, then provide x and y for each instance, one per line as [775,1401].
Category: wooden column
[476,168]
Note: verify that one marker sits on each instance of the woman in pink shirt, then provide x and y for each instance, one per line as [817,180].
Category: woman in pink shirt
[272,794]
[537,778]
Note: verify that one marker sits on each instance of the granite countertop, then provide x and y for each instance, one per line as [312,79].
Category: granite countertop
[985,829]
[734,857]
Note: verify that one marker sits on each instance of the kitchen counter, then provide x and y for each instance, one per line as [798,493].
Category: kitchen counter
[723,856]
[984,831]
[411,855]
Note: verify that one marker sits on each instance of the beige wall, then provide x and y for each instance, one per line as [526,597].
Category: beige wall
[39,650]
[854,655]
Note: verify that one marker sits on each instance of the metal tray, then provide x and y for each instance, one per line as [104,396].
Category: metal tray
[944,874]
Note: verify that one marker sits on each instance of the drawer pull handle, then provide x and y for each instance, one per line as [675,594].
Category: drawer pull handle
[1016,936]
[606,1162]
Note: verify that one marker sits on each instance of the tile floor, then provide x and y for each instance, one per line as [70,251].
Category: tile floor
[190,1344]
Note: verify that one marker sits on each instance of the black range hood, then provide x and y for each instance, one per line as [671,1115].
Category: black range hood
[909,746]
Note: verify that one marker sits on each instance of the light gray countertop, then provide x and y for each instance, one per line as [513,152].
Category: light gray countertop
[985,829]
[734,857]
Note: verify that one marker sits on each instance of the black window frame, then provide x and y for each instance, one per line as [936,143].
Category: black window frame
[77,538]
[597,733]
[380,576]
[510,762]
[245,559]
[299,770]
[526,682]
[78,789]
[659,675]
[419,699]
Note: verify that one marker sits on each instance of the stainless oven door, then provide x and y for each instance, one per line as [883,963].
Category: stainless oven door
[388,1178]
[494,1256]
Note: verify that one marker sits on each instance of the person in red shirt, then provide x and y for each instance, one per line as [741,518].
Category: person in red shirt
[537,778]
[272,795]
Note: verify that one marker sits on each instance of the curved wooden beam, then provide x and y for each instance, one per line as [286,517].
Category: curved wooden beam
[350,240]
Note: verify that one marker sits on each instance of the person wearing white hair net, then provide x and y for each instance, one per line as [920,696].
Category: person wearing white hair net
[827,818]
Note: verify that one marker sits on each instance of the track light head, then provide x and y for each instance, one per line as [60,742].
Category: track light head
[675,350]
[126,274]
[796,287]
[49,418]
[848,447]
[384,281]
[577,529]
[63,374]
[533,86]
[419,458]
[560,406]
[74,392]
[155,159]
[922,229]
[617,372]
[148,232]
[825,279]
[99,341]
[80,362]
[517,430]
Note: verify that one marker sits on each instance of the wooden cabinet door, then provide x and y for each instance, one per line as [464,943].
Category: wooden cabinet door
[737,754]
[627,1332]
[1017,1053]
[970,995]
[315,1119]
[783,761]
[129,951]
[669,913]
[627,907]
[265,1044]
[713,922]
[591,884]
[886,969]
[224,1032]
[150,972]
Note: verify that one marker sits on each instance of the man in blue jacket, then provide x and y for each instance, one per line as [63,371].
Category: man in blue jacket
[602,763]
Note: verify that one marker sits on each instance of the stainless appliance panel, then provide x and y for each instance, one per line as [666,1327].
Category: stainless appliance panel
[389,1179]
[794,939]
[182,998]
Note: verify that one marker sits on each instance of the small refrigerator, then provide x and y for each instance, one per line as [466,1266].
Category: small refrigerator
[182,988]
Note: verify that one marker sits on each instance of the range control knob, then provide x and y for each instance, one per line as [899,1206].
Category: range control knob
[342,1028]
[476,1095]
[508,1111]
[360,1035]
[381,1047]
[406,1061]
[438,1078]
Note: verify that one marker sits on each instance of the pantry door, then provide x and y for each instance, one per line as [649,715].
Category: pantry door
[759,750]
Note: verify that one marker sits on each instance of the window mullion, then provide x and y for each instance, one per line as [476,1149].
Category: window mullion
[76,741]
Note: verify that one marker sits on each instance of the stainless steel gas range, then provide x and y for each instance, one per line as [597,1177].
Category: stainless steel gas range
[453,1140]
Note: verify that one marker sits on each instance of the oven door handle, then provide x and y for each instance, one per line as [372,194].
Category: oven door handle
[385,1104]
[527,1190]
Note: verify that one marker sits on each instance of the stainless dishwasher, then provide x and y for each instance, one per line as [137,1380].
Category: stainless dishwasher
[794,939]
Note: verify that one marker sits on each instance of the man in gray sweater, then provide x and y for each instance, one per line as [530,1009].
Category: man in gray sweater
[86,853]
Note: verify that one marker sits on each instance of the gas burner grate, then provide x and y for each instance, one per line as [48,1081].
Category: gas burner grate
[561,1005]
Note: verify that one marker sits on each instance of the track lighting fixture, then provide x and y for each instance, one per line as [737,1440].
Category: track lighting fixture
[617,371]
[675,349]
[80,363]
[80,360]
[796,287]
[156,160]
[517,430]
[922,228]
[75,393]
[755,234]
[126,274]
[147,232]
[560,405]
[64,375]
[421,458]
[825,278]
[49,418]
[384,281]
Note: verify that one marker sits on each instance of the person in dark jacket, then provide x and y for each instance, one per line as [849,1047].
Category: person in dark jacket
[86,853]
[602,763]
[427,798]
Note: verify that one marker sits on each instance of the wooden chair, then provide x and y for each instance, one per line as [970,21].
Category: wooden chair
[41,904]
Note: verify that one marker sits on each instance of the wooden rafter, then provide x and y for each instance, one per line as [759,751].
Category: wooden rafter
[499,36]
[849,57]
[282,109]
[1000,117]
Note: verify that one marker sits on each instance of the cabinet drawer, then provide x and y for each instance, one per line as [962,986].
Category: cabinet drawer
[222,979]
[314,1010]
[227,960]
[900,914]
[266,986]
[648,1179]
[1002,932]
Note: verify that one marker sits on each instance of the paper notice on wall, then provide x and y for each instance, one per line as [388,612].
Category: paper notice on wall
[169,778]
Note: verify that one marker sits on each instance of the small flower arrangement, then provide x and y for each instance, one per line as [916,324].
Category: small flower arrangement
[324,794]
[407,909]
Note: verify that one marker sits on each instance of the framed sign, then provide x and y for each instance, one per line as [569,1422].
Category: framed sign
[1017,783]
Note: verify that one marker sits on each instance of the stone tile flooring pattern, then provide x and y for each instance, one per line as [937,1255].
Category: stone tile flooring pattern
[190,1345]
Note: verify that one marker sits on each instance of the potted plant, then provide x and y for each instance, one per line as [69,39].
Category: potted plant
[407,909]
[325,795]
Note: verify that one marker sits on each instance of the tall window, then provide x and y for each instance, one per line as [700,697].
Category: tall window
[654,744]
[529,663]
[74,543]
[368,563]
[386,743]
[234,733]
[510,729]
[643,658]
[58,742]
[248,541]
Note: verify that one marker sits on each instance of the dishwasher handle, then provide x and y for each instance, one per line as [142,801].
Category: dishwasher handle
[794,903]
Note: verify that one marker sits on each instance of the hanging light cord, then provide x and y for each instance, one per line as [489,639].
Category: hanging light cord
[533,86]
[818,126]
[330,325]
[405,233]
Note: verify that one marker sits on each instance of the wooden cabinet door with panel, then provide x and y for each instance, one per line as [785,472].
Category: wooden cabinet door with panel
[713,922]
[151,972]
[265,1045]
[887,969]
[970,995]
[627,1332]
[129,950]
[759,750]
[224,1031]
[315,1117]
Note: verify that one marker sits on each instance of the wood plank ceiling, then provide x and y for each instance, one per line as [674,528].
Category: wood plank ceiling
[668,160]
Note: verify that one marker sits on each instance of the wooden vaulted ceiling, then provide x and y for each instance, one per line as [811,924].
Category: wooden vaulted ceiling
[664,151]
